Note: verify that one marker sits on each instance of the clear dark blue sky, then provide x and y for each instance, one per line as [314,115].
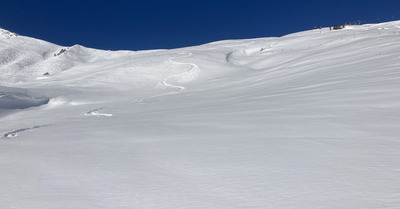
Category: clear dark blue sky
[163,24]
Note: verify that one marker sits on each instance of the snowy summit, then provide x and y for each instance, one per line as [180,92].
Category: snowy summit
[308,120]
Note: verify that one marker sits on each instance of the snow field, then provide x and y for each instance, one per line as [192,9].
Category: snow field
[308,120]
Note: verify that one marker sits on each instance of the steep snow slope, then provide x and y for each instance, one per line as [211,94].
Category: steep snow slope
[308,120]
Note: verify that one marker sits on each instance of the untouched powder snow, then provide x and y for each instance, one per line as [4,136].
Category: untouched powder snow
[308,120]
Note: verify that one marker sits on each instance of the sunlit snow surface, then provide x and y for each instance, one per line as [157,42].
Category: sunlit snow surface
[308,120]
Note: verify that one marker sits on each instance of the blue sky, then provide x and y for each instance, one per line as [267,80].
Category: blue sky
[165,24]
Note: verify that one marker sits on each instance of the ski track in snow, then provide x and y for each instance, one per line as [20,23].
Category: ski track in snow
[96,112]
[178,76]
[192,69]
[15,133]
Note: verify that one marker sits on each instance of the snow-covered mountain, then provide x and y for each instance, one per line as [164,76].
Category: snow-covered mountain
[308,120]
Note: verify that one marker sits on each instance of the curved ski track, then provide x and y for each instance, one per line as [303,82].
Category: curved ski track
[193,67]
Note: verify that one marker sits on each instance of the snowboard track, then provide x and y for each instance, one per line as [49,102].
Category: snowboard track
[15,133]
[96,113]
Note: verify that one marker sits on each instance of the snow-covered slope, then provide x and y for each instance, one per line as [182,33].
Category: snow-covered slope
[308,120]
